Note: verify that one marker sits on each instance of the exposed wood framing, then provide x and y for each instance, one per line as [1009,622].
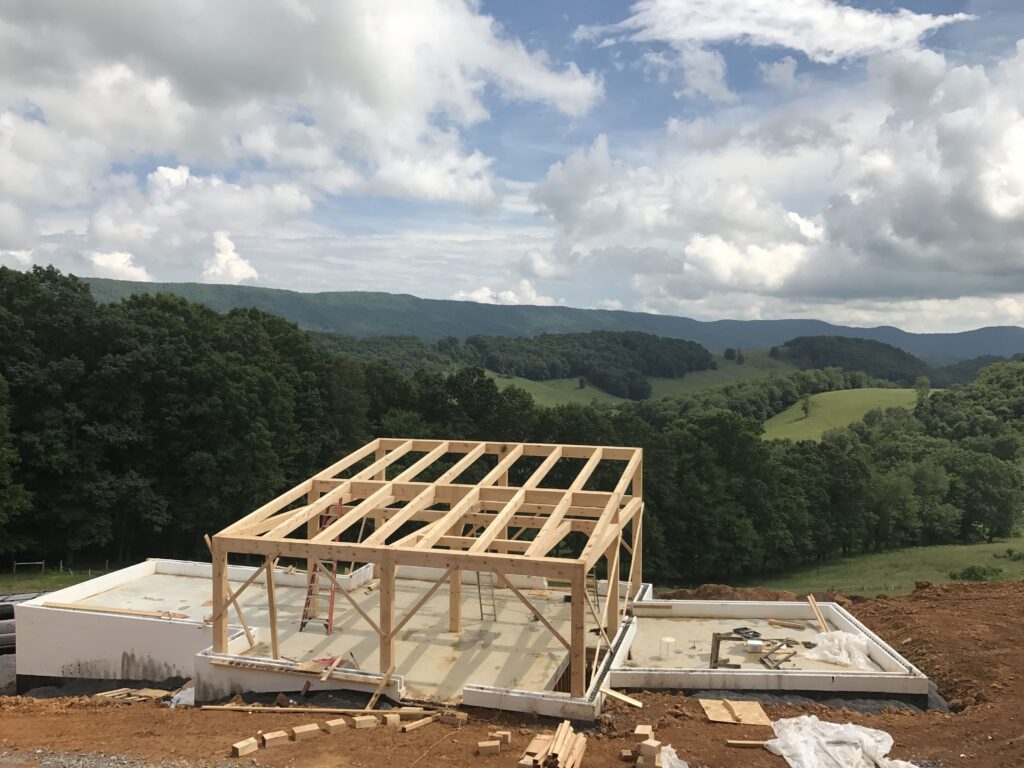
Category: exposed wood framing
[455,525]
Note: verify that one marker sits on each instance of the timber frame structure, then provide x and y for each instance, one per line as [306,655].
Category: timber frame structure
[389,518]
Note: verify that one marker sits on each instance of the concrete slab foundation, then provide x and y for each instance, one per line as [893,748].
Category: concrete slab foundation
[507,660]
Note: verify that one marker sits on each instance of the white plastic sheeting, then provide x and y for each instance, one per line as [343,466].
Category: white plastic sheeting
[844,649]
[807,742]
[669,758]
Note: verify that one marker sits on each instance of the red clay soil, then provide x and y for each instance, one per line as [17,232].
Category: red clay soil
[968,638]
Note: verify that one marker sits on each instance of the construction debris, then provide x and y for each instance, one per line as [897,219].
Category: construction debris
[743,744]
[562,749]
[454,718]
[505,737]
[365,721]
[135,694]
[621,697]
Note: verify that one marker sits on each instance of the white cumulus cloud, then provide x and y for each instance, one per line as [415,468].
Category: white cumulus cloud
[524,292]
[118,265]
[227,266]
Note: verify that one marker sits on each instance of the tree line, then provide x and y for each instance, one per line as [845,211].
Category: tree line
[129,430]
[617,362]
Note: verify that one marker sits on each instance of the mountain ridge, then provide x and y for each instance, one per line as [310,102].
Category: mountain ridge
[373,313]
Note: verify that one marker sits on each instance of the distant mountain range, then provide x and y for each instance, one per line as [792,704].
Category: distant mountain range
[359,313]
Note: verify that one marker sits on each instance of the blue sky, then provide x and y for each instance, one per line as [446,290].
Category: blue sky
[858,162]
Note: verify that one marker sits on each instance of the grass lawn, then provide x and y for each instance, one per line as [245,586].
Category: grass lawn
[43,582]
[833,409]
[895,572]
[757,365]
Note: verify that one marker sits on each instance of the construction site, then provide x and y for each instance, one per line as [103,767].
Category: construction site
[413,583]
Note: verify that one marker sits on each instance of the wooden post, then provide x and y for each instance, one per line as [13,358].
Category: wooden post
[578,637]
[387,614]
[636,568]
[275,650]
[455,601]
[312,529]
[220,597]
[611,604]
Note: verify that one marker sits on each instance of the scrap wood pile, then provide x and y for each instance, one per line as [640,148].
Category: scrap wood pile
[129,695]
[562,749]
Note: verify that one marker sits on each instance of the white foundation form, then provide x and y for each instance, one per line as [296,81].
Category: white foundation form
[511,663]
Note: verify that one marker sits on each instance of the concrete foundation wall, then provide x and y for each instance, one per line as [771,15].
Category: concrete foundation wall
[54,642]
[897,675]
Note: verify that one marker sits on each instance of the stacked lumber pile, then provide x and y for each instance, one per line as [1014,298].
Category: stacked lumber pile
[562,749]
[135,694]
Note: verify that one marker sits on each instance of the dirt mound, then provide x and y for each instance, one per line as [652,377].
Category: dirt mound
[965,637]
[722,592]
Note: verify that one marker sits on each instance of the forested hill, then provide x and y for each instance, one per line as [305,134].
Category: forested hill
[376,314]
[874,358]
[615,362]
[130,430]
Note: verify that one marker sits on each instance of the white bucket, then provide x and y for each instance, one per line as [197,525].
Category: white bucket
[668,647]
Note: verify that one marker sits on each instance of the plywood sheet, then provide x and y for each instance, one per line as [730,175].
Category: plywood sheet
[727,711]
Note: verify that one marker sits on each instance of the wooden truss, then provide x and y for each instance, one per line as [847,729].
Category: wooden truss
[389,516]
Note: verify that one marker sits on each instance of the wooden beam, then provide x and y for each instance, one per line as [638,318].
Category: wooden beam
[463,464]
[233,596]
[541,472]
[219,557]
[421,602]
[423,463]
[353,458]
[533,609]
[498,524]
[578,637]
[611,603]
[387,614]
[439,528]
[275,650]
[549,567]
[401,516]
[636,566]
[587,471]
[271,507]
[455,600]
[381,496]
[355,603]
[503,467]
[550,534]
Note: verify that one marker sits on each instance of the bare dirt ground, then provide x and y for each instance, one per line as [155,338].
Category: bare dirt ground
[968,638]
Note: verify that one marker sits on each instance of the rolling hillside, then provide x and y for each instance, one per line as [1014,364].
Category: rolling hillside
[833,409]
[562,391]
[374,314]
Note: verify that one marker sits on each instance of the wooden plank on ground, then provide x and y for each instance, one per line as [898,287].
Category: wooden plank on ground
[416,724]
[727,711]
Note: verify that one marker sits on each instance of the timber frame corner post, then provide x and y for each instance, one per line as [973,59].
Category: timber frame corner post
[453,524]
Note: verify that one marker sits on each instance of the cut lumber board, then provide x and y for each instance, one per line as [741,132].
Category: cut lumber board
[304,732]
[420,723]
[742,744]
[643,731]
[333,726]
[492,747]
[364,721]
[817,613]
[273,738]
[505,737]
[244,747]
[788,624]
[650,749]
[123,611]
[407,713]
[622,697]
[152,693]
[727,711]
[330,669]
